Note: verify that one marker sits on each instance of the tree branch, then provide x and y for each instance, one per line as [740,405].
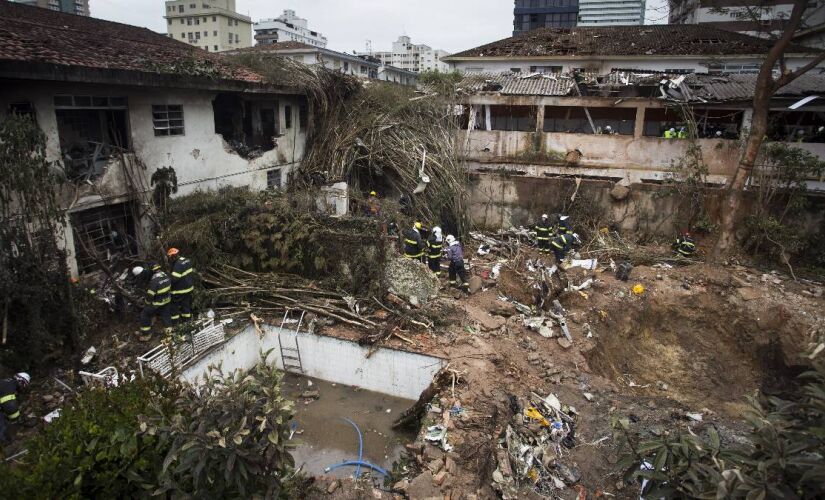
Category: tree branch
[787,78]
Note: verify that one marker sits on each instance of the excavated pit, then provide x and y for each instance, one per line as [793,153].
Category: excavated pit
[705,357]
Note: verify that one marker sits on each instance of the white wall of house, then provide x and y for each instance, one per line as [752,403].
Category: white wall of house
[607,64]
[201,158]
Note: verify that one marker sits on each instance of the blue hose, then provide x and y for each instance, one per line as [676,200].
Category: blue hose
[360,448]
[358,464]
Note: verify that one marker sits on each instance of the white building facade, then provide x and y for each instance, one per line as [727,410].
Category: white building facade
[287,27]
[611,12]
[412,57]
[212,25]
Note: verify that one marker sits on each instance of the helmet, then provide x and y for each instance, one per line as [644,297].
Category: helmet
[608,127]
[172,252]
[418,225]
[373,193]
[437,231]
[543,216]
[563,217]
[672,129]
[137,271]
[718,133]
[450,239]
[23,378]
[800,131]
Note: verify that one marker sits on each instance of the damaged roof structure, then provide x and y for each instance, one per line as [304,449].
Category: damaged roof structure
[613,125]
[673,48]
[124,109]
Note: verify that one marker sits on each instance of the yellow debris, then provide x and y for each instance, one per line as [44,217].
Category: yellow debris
[536,415]
[638,289]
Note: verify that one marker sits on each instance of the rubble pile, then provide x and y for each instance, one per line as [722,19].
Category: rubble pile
[535,446]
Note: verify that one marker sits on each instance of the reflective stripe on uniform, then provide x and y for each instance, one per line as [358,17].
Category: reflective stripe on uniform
[164,290]
[181,275]
[145,328]
[186,315]
[7,398]
[14,415]
[162,302]
[411,242]
[184,291]
[560,247]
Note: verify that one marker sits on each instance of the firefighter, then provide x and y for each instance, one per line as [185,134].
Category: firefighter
[372,207]
[682,134]
[158,298]
[543,233]
[457,271]
[684,245]
[564,226]
[8,401]
[183,284]
[413,243]
[435,244]
[562,244]
[670,133]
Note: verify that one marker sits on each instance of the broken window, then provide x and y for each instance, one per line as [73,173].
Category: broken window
[104,234]
[273,178]
[250,126]
[546,70]
[658,120]
[23,108]
[718,123]
[167,119]
[287,117]
[303,117]
[796,126]
[91,130]
[573,120]
[513,118]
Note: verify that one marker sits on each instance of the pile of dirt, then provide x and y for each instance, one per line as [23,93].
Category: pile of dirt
[410,278]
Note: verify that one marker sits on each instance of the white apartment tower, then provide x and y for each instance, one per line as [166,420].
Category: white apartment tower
[412,57]
[212,25]
[611,12]
[287,27]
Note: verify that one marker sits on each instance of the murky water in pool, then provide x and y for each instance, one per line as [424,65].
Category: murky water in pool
[328,440]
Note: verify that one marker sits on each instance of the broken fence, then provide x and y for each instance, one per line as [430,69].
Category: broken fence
[162,359]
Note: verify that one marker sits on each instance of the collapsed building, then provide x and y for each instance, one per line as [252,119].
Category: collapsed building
[125,110]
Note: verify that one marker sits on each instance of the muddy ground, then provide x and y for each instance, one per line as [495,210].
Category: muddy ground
[698,340]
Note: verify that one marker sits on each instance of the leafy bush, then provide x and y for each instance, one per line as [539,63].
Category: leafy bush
[149,438]
[786,458]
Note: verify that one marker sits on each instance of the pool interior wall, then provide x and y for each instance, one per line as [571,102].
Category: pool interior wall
[387,371]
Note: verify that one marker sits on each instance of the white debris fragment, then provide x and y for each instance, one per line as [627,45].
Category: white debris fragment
[696,417]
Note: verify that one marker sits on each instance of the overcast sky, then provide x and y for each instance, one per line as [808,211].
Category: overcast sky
[451,25]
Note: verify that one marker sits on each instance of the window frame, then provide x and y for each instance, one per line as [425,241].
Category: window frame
[168,130]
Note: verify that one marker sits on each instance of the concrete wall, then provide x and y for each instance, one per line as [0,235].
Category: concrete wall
[396,373]
[619,156]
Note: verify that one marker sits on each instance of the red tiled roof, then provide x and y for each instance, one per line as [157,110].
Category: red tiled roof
[37,35]
[650,40]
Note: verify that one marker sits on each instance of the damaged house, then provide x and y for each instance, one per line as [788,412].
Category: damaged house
[127,112]
[600,102]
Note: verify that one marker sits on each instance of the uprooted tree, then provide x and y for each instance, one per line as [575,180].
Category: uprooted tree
[36,304]
[766,86]
[377,136]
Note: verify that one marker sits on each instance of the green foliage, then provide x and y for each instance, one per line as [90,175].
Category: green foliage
[688,182]
[93,450]
[227,438]
[775,225]
[35,297]
[785,460]
[443,83]
[149,438]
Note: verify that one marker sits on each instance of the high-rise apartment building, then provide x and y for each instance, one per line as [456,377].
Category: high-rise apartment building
[412,57]
[78,7]
[287,27]
[531,14]
[611,12]
[212,25]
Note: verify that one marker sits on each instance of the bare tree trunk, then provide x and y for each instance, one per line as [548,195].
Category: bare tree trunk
[766,86]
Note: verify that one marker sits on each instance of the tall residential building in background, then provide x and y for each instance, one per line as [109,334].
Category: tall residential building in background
[611,12]
[752,17]
[411,57]
[78,7]
[212,25]
[531,14]
[287,27]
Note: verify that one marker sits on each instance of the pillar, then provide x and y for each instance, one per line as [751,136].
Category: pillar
[540,119]
[639,129]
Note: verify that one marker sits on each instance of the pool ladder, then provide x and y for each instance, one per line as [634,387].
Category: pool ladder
[291,356]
